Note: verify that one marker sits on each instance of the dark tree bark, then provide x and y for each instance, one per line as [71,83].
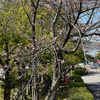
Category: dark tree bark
[7,89]
[35,90]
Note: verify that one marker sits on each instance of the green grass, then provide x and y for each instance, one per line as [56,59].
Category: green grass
[78,90]
[62,93]
[1,91]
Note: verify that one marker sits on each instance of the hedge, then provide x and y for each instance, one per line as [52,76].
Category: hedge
[78,71]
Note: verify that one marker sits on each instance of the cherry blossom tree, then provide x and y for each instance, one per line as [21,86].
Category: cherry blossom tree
[51,26]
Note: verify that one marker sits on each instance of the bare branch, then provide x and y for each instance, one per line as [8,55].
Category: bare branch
[72,51]
[79,12]
[86,35]
[78,43]
[90,9]
[55,19]
[37,3]
[32,3]
[67,37]
[93,26]
[90,17]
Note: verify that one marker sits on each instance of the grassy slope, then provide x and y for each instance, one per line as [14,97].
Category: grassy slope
[74,90]
[78,90]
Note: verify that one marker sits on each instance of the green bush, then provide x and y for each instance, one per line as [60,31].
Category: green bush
[78,71]
[78,90]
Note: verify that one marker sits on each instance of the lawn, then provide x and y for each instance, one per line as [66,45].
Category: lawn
[77,89]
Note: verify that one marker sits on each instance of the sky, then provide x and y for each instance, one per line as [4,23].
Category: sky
[93,52]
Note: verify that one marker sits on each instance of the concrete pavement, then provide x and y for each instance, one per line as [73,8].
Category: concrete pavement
[92,82]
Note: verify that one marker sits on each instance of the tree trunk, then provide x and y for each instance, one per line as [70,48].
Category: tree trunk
[23,83]
[30,88]
[7,89]
[35,90]
[56,77]
[23,92]
[53,95]
[55,83]
[53,91]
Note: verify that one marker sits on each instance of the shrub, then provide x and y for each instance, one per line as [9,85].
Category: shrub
[78,71]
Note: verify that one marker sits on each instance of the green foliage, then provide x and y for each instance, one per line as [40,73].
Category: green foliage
[42,19]
[1,91]
[75,58]
[98,55]
[79,71]
[50,71]
[45,63]
[15,31]
[77,89]
[14,28]
[46,57]
[71,59]
[90,58]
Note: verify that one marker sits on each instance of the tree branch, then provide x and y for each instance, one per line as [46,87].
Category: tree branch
[86,35]
[55,19]
[37,3]
[92,27]
[90,9]
[67,37]
[32,3]
[72,51]
[78,43]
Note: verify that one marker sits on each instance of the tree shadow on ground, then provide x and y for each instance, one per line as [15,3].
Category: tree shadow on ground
[62,93]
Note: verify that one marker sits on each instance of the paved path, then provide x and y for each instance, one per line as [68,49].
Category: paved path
[92,82]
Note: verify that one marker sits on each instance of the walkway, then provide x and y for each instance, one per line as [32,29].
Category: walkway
[92,82]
